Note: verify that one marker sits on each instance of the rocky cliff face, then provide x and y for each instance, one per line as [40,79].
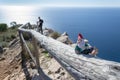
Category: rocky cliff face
[82,67]
[64,38]
[52,68]
[11,65]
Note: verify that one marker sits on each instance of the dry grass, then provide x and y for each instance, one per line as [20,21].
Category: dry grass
[7,36]
[55,35]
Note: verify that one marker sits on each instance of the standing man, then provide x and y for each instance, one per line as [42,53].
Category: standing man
[39,24]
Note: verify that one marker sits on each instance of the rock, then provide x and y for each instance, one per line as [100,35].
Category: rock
[4,49]
[54,68]
[47,31]
[65,34]
[49,72]
[7,78]
[57,77]
[22,76]
[1,49]
[62,73]
[32,65]
[58,71]
[73,45]
[2,58]
[34,26]
[64,38]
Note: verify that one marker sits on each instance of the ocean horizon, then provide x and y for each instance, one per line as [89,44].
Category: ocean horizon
[99,25]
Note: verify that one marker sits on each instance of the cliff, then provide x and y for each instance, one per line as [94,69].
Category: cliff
[79,66]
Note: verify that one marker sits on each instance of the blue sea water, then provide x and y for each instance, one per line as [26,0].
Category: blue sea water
[101,26]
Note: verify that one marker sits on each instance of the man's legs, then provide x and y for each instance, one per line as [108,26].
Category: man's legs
[41,30]
[94,51]
[38,28]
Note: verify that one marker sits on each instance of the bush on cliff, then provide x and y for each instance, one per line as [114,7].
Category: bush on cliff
[7,34]
[27,36]
[3,27]
[55,35]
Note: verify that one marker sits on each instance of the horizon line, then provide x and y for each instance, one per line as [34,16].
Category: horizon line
[50,5]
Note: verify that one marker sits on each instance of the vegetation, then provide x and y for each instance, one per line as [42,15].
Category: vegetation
[14,25]
[7,34]
[31,47]
[27,36]
[3,27]
[55,35]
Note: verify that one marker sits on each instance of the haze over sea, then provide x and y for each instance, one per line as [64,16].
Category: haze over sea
[101,26]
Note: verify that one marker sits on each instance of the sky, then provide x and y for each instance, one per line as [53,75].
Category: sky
[114,3]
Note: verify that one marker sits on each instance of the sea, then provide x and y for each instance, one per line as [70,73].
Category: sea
[101,26]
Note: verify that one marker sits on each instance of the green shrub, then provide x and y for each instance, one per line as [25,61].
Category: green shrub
[46,54]
[55,35]
[13,27]
[27,36]
[4,44]
[3,38]
[3,27]
[30,46]
[13,36]
[8,37]
[26,54]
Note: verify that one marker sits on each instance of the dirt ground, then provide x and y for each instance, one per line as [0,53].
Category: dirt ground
[10,62]
[11,67]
